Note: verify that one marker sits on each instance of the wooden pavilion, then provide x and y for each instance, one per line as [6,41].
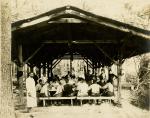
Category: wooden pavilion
[70,30]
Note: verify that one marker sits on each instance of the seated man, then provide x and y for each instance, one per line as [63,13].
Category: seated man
[109,89]
[44,90]
[67,89]
[59,90]
[52,88]
[82,88]
[95,89]
[39,87]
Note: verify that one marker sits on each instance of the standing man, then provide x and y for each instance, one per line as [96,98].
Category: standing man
[31,92]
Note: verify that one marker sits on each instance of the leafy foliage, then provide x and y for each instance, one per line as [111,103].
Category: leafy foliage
[141,86]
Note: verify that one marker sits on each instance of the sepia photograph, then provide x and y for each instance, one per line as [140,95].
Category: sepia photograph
[74,58]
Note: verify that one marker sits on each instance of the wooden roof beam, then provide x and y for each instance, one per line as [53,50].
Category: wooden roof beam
[80,41]
[115,62]
[88,62]
[33,54]
[57,62]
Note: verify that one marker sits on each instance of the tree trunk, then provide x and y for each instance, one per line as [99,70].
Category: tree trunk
[6,101]
[119,83]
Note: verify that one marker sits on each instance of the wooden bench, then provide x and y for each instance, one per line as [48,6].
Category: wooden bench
[95,98]
[78,98]
[57,98]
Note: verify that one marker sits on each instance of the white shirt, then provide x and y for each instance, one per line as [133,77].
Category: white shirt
[38,87]
[71,82]
[109,86]
[95,88]
[45,89]
[30,86]
[83,89]
[44,79]
[59,89]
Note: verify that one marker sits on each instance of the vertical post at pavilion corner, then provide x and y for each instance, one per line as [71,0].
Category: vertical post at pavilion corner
[20,74]
[119,74]
[6,94]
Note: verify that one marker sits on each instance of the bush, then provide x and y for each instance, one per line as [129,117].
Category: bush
[141,87]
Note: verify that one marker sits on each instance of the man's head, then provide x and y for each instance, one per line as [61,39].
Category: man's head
[102,70]
[44,74]
[102,80]
[89,72]
[31,75]
[94,81]
[67,80]
[82,80]
[40,81]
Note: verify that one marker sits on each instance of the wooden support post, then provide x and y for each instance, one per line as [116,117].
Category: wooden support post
[25,71]
[71,65]
[6,94]
[39,74]
[149,89]
[20,73]
[51,68]
[119,73]
[28,70]
[119,69]
[37,70]
[31,68]
[48,70]
[44,68]
[41,69]
[93,69]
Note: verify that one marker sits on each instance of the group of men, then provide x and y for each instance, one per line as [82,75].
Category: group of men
[68,86]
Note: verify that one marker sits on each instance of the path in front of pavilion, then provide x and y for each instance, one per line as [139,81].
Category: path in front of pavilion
[104,110]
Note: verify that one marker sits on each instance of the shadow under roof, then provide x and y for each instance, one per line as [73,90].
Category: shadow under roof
[71,30]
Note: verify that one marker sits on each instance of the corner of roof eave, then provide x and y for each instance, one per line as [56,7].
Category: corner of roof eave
[31,23]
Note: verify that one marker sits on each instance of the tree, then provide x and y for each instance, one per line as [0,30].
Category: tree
[6,101]
[139,18]
[142,86]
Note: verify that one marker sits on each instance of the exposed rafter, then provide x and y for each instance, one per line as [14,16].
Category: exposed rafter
[34,53]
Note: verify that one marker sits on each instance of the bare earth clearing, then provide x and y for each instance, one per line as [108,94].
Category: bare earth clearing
[104,110]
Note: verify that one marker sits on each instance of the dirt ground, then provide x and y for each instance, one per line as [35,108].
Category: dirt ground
[105,110]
